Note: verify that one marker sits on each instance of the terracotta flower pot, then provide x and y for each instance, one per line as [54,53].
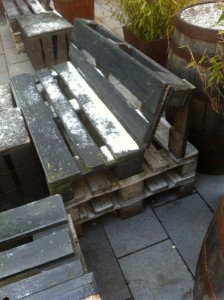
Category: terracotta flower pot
[71,9]
[155,49]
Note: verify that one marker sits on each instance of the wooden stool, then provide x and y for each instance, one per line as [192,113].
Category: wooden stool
[46,38]
[40,254]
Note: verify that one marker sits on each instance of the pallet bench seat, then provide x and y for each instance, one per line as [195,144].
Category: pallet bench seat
[40,254]
[93,120]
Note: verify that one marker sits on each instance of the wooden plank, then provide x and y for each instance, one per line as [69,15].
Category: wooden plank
[48,49]
[62,47]
[42,281]
[98,183]
[116,138]
[102,204]
[156,184]
[154,159]
[32,218]
[140,80]
[23,7]
[57,162]
[83,142]
[10,8]
[78,288]
[35,6]
[34,254]
[130,118]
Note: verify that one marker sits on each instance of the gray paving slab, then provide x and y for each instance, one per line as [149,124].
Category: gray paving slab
[100,259]
[1,46]
[4,77]
[19,68]
[132,234]
[186,222]
[6,36]
[3,64]
[211,188]
[13,57]
[157,273]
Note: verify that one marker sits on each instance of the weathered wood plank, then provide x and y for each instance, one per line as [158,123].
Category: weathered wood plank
[23,7]
[127,115]
[137,78]
[34,254]
[108,127]
[55,157]
[83,142]
[31,218]
[78,288]
[42,281]
[35,6]
[10,8]
[154,159]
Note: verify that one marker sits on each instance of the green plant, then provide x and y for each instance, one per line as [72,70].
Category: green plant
[212,77]
[148,19]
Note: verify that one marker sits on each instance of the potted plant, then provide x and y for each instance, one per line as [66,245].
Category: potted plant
[71,9]
[148,20]
[198,57]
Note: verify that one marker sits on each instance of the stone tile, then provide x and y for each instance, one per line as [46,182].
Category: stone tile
[186,222]
[111,22]
[19,68]
[132,234]
[1,47]
[119,31]
[101,11]
[3,65]
[157,272]
[101,260]
[211,188]
[13,57]
[4,78]
[6,36]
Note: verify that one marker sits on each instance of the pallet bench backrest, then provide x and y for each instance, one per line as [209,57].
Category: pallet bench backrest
[149,82]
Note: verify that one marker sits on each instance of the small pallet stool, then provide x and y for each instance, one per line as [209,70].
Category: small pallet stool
[40,254]
[46,38]
[20,178]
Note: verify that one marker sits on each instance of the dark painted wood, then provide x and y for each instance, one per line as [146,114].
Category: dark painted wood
[126,114]
[82,140]
[42,281]
[78,288]
[55,157]
[23,7]
[31,218]
[137,78]
[34,254]
[105,125]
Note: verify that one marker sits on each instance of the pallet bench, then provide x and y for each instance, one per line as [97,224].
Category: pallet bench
[93,120]
[40,254]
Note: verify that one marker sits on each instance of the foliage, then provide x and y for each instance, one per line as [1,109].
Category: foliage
[148,19]
[212,78]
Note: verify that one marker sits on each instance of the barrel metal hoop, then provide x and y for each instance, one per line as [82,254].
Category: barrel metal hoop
[220,225]
[208,286]
[184,53]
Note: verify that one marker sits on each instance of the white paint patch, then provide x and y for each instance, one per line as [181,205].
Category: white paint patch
[111,130]
[204,15]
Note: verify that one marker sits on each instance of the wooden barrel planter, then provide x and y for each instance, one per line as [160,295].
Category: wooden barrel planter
[206,130]
[71,9]
[209,276]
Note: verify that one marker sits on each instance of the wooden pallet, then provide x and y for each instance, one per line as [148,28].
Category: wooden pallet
[161,172]
[40,254]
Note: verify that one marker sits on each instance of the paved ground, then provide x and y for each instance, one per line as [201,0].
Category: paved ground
[152,255]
